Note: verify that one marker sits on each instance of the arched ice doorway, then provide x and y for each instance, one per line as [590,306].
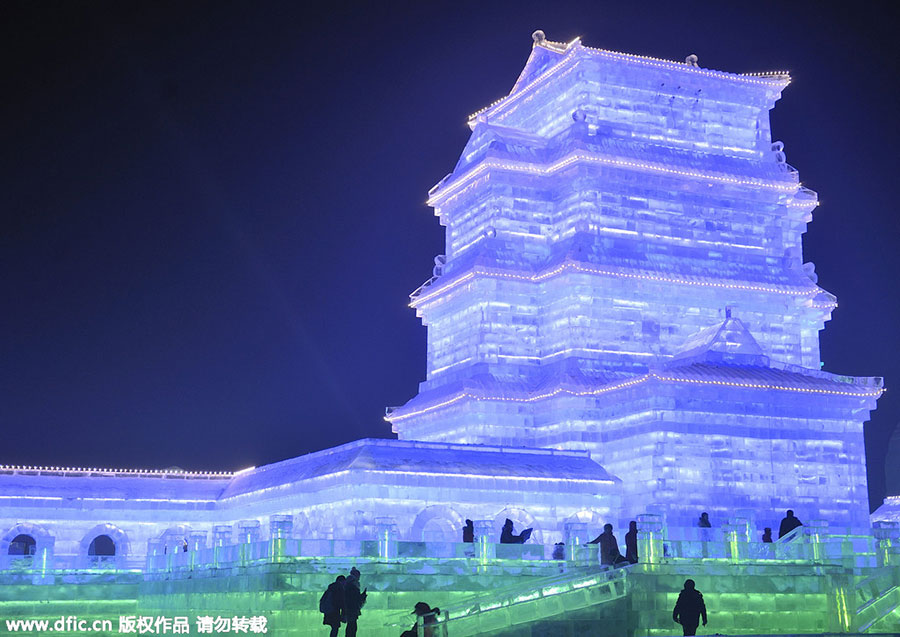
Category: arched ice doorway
[437,523]
[25,541]
[22,546]
[104,545]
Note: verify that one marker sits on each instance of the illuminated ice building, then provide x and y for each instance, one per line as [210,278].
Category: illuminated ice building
[622,327]
[624,275]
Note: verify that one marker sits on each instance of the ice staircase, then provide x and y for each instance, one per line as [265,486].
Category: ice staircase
[878,598]
[638,600]
[524,608]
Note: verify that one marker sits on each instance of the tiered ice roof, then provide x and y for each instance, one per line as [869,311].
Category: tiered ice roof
[547,56]
[376,458]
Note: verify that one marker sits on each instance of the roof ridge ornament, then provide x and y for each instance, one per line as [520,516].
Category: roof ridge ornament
[539,38]
[692,60]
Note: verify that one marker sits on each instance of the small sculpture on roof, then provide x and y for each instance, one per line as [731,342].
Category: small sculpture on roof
[692,60]
[538,37]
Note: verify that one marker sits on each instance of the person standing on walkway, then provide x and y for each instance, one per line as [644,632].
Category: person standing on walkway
[631,553]
[609,547]
[788,524]
[508,537]
[689,608]
[704,522]
[331,605]
[353,601]
[469,531]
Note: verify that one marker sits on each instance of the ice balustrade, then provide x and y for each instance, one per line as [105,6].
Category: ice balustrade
[65,570]
[384,549]
[732,542]
[46,559]
[657,543]
[526,602]
[877,599]
[877,596]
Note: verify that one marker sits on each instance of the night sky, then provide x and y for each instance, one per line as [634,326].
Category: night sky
[213,212]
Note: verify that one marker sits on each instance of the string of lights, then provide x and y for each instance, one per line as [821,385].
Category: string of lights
[399,415]
[421,300]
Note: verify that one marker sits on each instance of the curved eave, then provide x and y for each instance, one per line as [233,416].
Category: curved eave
[774,80]
[451,186]
[735,377]
[440,287]
[889,511]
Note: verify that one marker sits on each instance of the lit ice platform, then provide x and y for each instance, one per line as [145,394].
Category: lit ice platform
[522,592]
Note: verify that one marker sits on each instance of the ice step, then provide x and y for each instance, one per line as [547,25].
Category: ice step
[533,602]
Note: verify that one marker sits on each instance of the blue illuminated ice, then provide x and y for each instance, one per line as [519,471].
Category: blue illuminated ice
[621,327]
[624,275]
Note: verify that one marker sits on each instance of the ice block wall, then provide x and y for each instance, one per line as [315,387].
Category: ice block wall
[602,216]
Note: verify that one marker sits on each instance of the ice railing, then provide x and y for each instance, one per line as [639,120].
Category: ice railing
[47,559]
[162,559]
[877,597]
[813,543]
[522,603]
[45,568]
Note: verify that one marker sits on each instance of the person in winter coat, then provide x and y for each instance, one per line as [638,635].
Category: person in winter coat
[689,608]
[631,543]
[331,605]
[609,547]
[788,524]
[507,536]
[469,531]
[353,601]
[429,619]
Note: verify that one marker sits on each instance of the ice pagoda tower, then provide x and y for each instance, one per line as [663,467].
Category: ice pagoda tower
[624,275]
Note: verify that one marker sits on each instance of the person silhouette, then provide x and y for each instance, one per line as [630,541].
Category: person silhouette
[609,547]
[429,619]
[689,608]
[767,535]
[508,537]
[705,532]
[631,552]
[788,524]
[354,600]
[469,531]
[331,605]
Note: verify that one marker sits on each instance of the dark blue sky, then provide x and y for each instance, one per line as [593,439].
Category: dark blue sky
[213,212]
